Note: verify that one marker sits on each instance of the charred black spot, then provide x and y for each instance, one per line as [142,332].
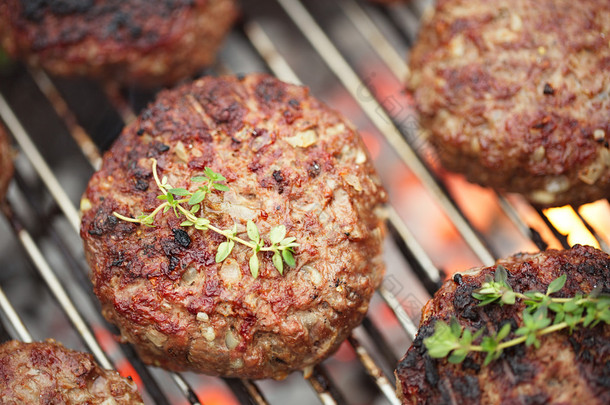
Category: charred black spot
[161,147]
[269,90]
[173,263]
[140,132]
[457,278]
[314,169]
[181,237]
[122,23]
[470,364]
[277,176]
[431,371]
[141,185]
[102,223]
[463,298]
[294,103]
[409,361]
[521,366]
[117,262]
[467,386]
[548,90]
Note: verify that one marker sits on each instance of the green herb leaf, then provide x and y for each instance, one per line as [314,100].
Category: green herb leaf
[220,187]
[187,223]
[212,175]
[254,265]
[556,284]
[197,197]
[278,263]
[199,179]
[288,257]
[289,241]
[277,234]
[503,333]
[224,250]
[202,224]
[442,341]
[253,232]
[179,191]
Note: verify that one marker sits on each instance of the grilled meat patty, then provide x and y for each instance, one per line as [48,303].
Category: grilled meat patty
[6,162]
[516,95]
[48,373]
[135,41]
[288,160]
[567,368]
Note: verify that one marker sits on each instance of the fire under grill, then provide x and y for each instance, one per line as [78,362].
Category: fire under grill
[351,54]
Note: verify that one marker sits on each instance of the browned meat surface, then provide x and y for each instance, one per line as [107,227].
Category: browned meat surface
[288,160]
[135,42]
[48,373]
[566,369]
[6,162]
[516,95]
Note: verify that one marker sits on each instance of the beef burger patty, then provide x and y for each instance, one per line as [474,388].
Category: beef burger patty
[135,41]
[566,369]
[516,95]
[48,373]
[288,160]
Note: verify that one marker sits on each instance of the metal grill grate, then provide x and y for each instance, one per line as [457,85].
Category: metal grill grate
[351,54]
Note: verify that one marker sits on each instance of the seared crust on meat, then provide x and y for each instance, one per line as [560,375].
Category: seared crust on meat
[48,373]
[566,369]
[6,162]
[135,42]
[289,160]
[516,95]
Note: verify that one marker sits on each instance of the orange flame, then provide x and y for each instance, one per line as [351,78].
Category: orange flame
[567,222]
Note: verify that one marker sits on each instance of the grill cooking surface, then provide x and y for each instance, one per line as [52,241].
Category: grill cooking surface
[351,54]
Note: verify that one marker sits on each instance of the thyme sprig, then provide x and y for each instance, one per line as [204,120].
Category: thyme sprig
[457,342]
[175,199]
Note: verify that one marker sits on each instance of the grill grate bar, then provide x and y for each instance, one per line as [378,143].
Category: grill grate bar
[324,387]
[39,164]
[344,72]
[82,139]
[265,47]
[403,318]
[245,391]
[367,28]
[13,318]
[374,371]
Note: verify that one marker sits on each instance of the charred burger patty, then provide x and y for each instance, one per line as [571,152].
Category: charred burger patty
[288,160]
[567,368]
[48,373]
[134,42]
[516,95]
